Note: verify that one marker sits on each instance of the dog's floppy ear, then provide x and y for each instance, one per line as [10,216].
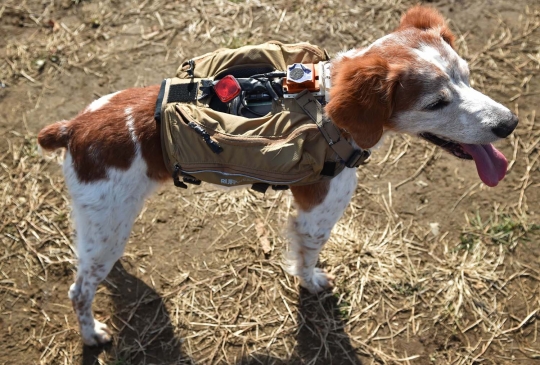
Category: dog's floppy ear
[426,18]
[361,97]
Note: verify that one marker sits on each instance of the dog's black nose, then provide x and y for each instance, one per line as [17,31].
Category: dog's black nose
[504,129]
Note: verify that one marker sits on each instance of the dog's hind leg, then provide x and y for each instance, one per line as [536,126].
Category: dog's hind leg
[103,215]
[310,229]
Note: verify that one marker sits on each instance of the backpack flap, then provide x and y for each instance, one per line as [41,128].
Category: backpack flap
[252,59]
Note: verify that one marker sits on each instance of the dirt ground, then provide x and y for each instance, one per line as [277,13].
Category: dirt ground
[432,266]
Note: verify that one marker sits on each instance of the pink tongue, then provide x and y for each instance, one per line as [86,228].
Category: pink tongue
[490,162]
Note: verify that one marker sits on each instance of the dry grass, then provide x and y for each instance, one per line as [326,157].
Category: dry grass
[201,280]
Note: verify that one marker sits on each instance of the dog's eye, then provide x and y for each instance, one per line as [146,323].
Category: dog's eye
[439,104]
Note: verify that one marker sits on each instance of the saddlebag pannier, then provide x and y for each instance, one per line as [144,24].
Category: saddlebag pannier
[265,132]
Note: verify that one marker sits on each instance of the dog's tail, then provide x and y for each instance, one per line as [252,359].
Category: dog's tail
[54,136]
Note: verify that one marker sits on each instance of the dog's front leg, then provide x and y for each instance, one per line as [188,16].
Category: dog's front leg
[319,207]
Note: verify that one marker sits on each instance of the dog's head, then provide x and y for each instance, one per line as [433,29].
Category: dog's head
[413,81]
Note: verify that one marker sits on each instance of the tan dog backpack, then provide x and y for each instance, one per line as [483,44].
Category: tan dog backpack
[252,115]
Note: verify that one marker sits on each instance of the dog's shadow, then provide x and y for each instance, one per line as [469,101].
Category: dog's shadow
[145,334]
[141,322]
[321,336]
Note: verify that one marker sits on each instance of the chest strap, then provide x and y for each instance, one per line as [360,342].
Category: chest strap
[353,157]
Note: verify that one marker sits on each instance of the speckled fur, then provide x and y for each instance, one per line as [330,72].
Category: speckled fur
[103,213]
[309,231]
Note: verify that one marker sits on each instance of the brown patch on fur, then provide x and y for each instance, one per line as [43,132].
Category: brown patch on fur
[426,18]
[143,103]
[100,139]
[361,98]
[53,136]
[414,83]
[407,92]
[308,197]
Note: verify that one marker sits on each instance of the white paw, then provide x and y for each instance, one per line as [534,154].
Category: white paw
[99,334]
[319,281]
[73,291]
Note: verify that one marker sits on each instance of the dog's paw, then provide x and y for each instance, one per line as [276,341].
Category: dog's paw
[319,281]
[99,334]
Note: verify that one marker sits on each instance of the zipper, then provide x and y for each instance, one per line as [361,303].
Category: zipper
[265,140]
[247,176]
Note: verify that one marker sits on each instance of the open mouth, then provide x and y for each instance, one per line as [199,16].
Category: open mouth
[452,147]
[490,162]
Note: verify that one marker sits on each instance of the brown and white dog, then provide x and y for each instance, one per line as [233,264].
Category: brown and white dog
[410,81]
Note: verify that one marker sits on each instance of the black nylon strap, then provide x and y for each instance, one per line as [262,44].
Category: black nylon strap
[353,157]
[313,109]
[329,168]
[260,187]
[159,101]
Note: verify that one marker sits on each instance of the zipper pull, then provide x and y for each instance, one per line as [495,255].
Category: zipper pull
[214,146]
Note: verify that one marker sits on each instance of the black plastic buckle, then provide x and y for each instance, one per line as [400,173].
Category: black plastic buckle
[358,158]
[207,88]
[179,184]
[191,70]
[176,180]
[260,187]
[191,180]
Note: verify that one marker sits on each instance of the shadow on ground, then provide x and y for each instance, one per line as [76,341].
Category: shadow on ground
[140,317]
[321,338]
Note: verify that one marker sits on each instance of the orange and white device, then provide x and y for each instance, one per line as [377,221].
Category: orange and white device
[314,77]
[301,76]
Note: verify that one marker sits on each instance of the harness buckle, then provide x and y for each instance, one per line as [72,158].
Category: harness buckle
[260,187]
[358,158]
[176,180]
[179,184]
[191,179]
[191,70]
